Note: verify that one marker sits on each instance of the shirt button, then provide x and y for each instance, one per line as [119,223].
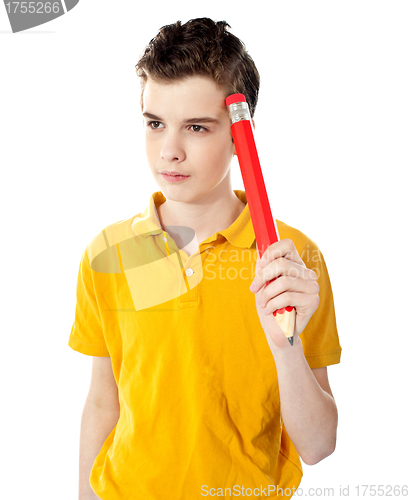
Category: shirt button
[189,272]
[165,239]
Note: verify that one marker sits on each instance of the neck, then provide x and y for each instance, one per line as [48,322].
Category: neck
[205,217]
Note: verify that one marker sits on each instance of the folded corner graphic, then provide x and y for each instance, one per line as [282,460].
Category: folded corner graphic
[26,15]
[70,4]
[151,264]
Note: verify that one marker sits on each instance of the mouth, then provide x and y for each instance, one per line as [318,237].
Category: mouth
[174,177]
[173,173]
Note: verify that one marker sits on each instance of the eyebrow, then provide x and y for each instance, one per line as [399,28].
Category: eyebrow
[204,119]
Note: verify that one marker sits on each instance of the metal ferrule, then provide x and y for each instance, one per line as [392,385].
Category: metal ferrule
[239,111]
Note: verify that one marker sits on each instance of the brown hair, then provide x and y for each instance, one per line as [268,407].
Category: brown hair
[201,47]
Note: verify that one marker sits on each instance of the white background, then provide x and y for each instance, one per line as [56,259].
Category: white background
[333,130]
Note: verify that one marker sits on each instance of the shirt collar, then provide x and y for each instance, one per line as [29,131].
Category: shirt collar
[240,233]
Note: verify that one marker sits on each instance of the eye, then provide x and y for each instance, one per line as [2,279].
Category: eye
[155,124]
[197,128]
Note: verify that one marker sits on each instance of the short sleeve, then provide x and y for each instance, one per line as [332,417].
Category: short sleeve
[87,334]
[320,337]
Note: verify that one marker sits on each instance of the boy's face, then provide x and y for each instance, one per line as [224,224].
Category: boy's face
[187,130]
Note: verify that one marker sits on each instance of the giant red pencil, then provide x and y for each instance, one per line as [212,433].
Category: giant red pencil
[264,225]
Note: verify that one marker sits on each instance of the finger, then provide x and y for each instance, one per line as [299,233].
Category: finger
[284,248]
[280,267]
[287,284]
[302,302]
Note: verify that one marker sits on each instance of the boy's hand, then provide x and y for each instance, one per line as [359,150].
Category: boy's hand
[295,286]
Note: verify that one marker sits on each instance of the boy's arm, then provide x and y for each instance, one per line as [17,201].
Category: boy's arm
[100,415]
[308,408]
[322,379]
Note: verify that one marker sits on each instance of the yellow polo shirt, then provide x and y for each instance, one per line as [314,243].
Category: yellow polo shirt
[198,389]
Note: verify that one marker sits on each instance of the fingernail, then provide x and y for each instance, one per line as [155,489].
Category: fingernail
[252,288]
[263,262]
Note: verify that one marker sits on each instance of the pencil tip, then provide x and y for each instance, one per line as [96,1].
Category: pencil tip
[290,340]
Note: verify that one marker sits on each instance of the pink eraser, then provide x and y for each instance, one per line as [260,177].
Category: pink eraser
[234,98]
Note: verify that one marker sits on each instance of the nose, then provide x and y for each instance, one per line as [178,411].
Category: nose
[172,148]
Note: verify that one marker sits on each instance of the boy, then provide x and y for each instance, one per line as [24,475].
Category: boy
[195,390]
